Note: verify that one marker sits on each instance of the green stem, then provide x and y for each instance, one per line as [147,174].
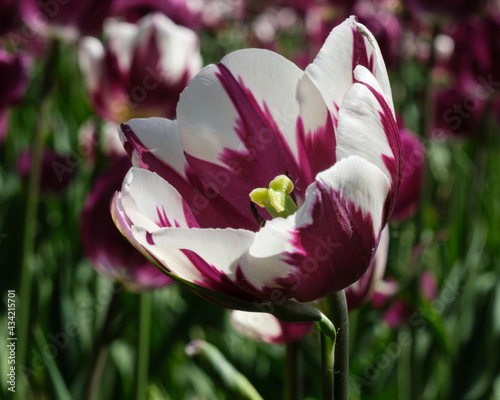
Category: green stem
[30,224]
[293,378]
[340,318]
[143,348]
[327,367]
[335,349]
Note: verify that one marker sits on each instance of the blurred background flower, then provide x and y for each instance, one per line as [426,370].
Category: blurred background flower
[141,70]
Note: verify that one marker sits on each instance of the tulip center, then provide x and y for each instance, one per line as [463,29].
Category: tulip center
[276,199]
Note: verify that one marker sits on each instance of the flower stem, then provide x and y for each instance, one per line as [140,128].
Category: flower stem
[340,318]
[143,348]
[293,378]
[30,222]
[327,365]
[335,349]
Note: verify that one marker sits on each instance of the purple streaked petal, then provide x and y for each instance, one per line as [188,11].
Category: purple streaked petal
[365,117]
[349,44]
[150,201]
[154,144]
[211,258]
[252,127]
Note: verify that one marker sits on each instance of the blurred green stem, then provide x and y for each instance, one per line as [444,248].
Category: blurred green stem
[143,348]
[30,222]
[293,378]
[335,349]
[93,385]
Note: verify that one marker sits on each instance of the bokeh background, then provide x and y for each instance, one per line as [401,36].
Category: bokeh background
[92,310]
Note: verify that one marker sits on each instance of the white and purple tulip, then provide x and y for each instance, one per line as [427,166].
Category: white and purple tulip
[329,130]
[141,70]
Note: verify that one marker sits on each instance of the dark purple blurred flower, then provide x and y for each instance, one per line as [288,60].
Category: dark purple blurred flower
[111,254]
[142,69]
[412,179]
[459,109]
[57,170]
[13,83]
[10,16]
[476,55]
[446,8]
[267,328]
[65,18]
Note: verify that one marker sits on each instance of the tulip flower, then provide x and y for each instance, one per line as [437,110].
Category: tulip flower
[14,73]
[56,173]
[267,328]
[68,20]
[110,253]
[274,183]
[192,14]
[142,69]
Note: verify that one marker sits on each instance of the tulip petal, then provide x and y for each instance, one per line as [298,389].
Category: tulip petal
[150,201]
[363,289]
[121,40]
[154,144]
[349,44]
[365,118]
[241,128]
[267,328]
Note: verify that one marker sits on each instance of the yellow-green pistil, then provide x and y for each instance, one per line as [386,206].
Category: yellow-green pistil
[276,199]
